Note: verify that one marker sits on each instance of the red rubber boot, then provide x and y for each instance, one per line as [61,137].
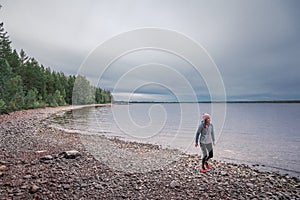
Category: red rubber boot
[207,166]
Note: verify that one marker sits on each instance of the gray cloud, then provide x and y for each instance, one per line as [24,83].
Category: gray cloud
[255,44]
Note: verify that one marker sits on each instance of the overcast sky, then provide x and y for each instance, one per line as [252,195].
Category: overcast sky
[254,44]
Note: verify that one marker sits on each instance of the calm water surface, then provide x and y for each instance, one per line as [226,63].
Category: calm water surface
[253,133]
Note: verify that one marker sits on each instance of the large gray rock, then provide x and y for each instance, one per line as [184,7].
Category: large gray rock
[72,154]
[47,157]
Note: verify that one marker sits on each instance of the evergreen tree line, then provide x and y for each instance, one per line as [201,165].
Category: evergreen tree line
[25,84]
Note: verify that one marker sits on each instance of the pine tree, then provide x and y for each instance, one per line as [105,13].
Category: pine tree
[5,48]
[49,82]
[23,57]
[69,89]
[5,75]
[5,68]
[14,94]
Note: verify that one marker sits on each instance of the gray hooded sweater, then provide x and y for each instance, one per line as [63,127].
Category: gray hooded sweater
[206,134]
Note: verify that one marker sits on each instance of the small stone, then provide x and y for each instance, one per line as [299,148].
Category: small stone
[269,193]
[250,185]
[283,180]
[3,168]
[42,151]
[3,162]
[34,189]
[27,176]
[137,187]
[223,173]
[104,185]
[174,184]
[98,186]
[66,186]
[47,157]
[24,187]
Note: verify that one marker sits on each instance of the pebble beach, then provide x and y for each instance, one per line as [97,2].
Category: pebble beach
[39,161]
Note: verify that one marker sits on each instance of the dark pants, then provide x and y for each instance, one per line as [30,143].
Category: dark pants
[207,152]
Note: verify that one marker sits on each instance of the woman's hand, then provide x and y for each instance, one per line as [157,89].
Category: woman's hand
[196,144]
[214,143]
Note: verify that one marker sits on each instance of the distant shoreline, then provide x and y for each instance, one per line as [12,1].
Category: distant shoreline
[275,101]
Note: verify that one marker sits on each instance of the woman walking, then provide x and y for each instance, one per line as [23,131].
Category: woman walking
[207,138]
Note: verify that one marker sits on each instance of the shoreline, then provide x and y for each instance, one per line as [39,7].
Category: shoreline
[34,164]
[20,113]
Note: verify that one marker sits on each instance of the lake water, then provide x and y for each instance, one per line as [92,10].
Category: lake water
[264,134]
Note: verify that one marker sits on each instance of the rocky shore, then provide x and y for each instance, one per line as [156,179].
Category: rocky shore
[38,161]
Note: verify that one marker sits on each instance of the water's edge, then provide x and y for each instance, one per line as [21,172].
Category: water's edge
[255,165]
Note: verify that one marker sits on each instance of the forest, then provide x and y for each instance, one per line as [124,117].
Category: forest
[26,84]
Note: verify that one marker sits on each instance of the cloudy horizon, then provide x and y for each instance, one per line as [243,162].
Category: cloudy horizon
[254,44]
